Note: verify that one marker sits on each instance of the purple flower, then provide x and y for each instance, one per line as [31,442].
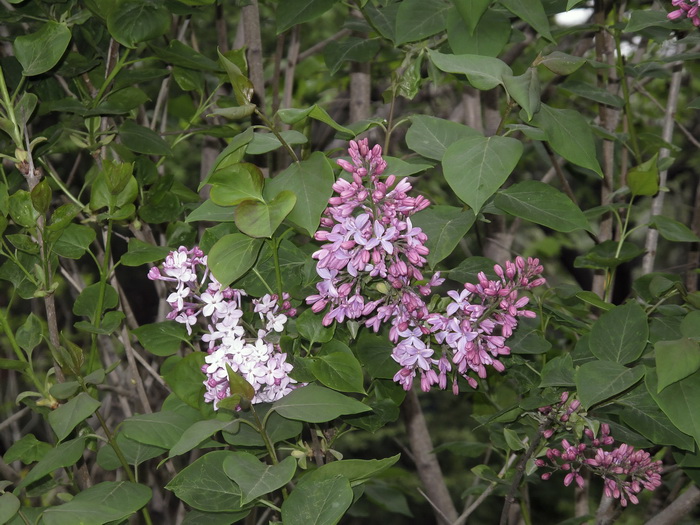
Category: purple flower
[686,8]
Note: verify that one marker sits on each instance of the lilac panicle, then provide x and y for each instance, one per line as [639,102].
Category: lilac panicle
[253,356]
[371,269]
[686,8]
[624,470]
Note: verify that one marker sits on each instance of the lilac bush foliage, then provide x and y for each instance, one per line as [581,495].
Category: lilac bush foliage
[230,340]
[686,8]
[624,470]
[371,269]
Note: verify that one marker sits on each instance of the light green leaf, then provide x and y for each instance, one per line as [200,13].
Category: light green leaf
[160,429]
[64,455]
[87,302]
[315,404]
[322,502]
[490,159]
[339,371]
[40,51]
[532,12]
[431,136]
[261,219]
[69,415]
[74,241]
[210,212]
[490,37]
[232,256]
[310,327]
[594,93]
[255,478]
[445,226]
[679,401]
[482,72]
[558,372]
[525,90]
[621,334]
[560,63]
[357,471]
[598,381]
[316,112]
[134,452]
[471,11]
[9,505]
[266,142]
[542,204]
[27,449]
[569,135]
[235,183]
[198,433]
[676,360]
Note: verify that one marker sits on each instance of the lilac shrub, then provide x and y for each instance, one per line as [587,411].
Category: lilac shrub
[231,341]
[624,470]
[371,270]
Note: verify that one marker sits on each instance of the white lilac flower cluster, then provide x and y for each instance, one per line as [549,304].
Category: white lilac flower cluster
[228,338]
[370,269]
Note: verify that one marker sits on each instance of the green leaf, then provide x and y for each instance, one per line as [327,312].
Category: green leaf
[205,486]
[197,517]
[542,204]
[528,339]
[560,63]
[419,19]
[87,302]
[163,339]
[643,414]
[605,255]
[468,270]
[139,252]
[39,52]
[322,502]
[525,90]
[471,11]
[676,360]
[74,241]
[211,212]
[185,379]
[29,335]
[196,434]
[482,72]
[315,404]
[134,21]
[374,352]
[21,209]
[673,230]
[134,452]
[532,12]
[295,115]
[160,429]
[179,54]
[558,372]
[679,401]
[357,471]
[491,161]
[383,19]
[68,416]
[312,182]
[621,334]
[261,219]
[431,136]
[490,37]
[310,327]
[105,502]
[351,49]
[593,299]
[598,381]
[266,142]
[27,449]
[255,478]
[293,12]
[445,226]
[9,505]
[339,371]
[142,139]
[644,179]
[569,135]
[401,168]
[232,256]
[595,93]
[64,455]
[641,19]
[235,183]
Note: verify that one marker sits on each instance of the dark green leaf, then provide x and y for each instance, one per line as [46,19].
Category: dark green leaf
[542,204]
[431,136]
[74,241]
[676,360]
[200,431]
[560,63]
[164,338]
[419,19]
[322,502]
[315,404]
[235,183]
[525,90]
[351,49]
[598,381]
[294,12]
[87,302]
[593,93]
[266,142]
[27,449]
[673,230]
[160,429]
[64,455]
[445,226]
[490,37]
[482,72]
[339,371]
[180,54]
[472,11]
[69,415]
[134,21]
[142,140]
[469,268]
[232,256]
[310,327]
[211,212]
[606,255]
[261,219]
[532,12]
[374,352]
[9,505]
[255,478]
[679,402]
[140,252]
[29,334]
[558,372]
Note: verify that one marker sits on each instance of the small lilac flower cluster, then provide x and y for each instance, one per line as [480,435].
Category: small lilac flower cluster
[686,8]
[624,470]
[256,358]
[370,266]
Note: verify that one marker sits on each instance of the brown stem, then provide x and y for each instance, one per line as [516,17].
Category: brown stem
[519,473]
[427,464]
[677,510]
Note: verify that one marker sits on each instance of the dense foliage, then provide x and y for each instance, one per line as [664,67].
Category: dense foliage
[308,261]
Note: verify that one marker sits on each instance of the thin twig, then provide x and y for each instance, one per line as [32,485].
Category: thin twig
[14,417]
[519,473]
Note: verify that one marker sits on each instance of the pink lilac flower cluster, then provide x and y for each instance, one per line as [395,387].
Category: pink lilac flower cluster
[686,8]
[624,470]
[229,340]
[370,269]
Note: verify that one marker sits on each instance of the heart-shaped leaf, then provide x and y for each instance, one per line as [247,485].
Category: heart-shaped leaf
[255,478]
[261,219]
